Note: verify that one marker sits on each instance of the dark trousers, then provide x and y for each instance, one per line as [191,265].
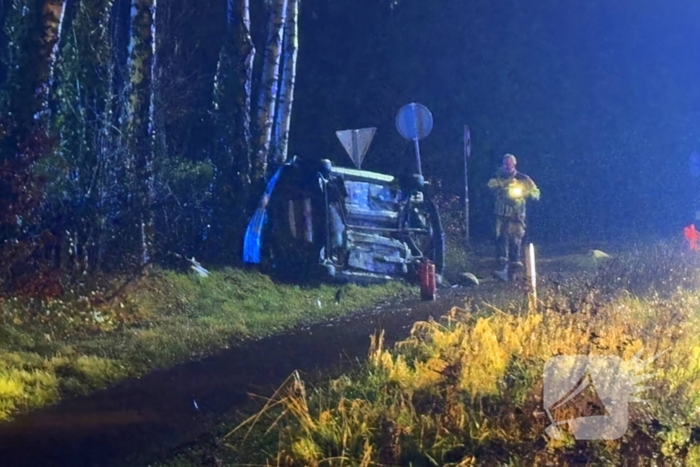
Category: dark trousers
[509,239]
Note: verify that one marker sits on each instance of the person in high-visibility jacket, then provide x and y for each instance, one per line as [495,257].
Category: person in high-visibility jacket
[512,189]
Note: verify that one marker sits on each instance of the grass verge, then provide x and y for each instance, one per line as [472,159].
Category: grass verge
[51,349]
[468,390]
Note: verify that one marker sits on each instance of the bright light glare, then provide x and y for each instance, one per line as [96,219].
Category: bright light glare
[515,191]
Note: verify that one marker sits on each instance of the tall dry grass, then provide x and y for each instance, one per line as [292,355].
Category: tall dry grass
[467,389]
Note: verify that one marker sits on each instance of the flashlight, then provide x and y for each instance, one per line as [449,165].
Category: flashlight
[515,191]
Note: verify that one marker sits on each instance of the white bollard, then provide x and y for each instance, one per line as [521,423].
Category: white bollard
[532,278]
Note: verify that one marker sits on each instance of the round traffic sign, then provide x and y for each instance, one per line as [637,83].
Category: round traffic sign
[414,121]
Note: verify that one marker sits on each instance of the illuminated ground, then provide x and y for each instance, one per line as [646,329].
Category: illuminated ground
[142,420]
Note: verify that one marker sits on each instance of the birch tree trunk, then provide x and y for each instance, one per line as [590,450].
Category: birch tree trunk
[24,139]
[232,107]
[52,15]
[232,96]
[82,110]
[33,30]
[283,115]
[107,187]
[267,99]
[139,118]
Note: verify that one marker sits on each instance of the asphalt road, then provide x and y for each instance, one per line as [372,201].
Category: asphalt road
[139,421]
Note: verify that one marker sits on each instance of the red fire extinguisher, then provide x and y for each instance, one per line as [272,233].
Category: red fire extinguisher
[426,273]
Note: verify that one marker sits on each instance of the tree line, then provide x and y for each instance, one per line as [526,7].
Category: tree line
[90,181]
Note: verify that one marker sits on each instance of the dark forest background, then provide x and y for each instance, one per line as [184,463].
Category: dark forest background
[598,99]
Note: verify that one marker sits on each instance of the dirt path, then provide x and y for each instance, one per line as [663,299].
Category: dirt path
[140,420]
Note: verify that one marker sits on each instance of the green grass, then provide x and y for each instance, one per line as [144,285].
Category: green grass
[467,390]
[51,349]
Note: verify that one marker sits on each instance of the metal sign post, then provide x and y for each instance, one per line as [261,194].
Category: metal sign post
[467,155]
[414,122]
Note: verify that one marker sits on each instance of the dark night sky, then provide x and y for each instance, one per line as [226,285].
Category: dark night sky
[598,99]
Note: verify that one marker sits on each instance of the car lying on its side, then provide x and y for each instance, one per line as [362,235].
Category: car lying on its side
[349,224]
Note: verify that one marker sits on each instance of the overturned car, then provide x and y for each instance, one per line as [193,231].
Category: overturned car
[347,224]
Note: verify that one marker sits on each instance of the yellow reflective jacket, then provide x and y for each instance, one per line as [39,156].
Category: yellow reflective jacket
[512,192]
